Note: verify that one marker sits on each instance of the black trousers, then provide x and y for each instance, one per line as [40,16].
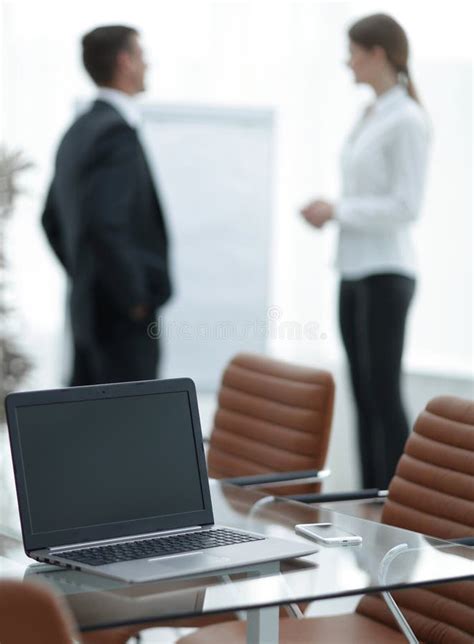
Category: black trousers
[122,350]
[372,316]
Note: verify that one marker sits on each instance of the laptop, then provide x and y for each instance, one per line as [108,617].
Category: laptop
[112,479]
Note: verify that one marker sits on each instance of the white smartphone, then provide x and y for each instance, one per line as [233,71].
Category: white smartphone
[328,534]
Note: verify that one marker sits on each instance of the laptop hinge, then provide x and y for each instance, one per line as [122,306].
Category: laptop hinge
[130,537]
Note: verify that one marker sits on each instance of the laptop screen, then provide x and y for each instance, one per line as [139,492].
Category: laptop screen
[89,463]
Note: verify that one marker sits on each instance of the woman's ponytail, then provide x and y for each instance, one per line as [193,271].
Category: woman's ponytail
[381,30]
[405,77]
[411,88]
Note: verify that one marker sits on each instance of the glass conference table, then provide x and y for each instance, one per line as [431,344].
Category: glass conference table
[387,558]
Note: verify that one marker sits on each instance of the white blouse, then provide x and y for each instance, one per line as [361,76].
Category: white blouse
[383,175]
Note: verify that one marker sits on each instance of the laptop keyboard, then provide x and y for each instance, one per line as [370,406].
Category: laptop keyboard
[161,546]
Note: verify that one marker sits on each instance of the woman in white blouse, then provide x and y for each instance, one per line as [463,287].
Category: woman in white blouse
[383,174]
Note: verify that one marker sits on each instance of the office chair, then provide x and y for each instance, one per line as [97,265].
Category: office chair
[272,417]
[432,492]
[31,613]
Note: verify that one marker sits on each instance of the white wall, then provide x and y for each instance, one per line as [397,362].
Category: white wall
[286,54]
[2,79]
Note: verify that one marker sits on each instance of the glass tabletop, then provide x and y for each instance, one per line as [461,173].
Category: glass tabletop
[387,558]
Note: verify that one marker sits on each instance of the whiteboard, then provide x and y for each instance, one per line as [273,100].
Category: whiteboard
[214,167]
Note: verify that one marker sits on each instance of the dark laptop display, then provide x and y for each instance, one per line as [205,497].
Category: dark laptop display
[94,463]
[108,461]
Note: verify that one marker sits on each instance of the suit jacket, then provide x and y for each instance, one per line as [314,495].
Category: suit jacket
[104,220]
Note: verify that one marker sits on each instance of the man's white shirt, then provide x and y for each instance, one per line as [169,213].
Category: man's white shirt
[125,104]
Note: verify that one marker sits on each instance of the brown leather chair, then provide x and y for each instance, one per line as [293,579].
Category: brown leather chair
[31,614]
[432,492]
[272,416]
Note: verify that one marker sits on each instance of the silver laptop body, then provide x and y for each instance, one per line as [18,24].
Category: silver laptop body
[122,466]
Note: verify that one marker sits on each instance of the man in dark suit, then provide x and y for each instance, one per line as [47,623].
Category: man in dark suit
[104,221]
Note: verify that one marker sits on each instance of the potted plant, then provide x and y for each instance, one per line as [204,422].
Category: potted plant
[13,364]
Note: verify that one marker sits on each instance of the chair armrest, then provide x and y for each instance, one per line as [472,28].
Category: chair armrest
[277,478]
[464,541]
[331,497]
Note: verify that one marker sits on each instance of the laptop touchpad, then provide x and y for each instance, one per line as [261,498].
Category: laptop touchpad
[188,562]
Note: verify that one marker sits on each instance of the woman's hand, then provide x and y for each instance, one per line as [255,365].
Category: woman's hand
[317,213]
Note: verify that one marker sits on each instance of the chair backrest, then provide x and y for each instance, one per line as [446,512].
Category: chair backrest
[272,417]
[433,492]
[31,613]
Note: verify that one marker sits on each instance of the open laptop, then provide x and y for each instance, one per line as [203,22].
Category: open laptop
[112,479]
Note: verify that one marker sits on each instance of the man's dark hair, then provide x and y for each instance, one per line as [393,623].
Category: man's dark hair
[100,48]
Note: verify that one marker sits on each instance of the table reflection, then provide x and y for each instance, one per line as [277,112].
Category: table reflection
[388,557]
